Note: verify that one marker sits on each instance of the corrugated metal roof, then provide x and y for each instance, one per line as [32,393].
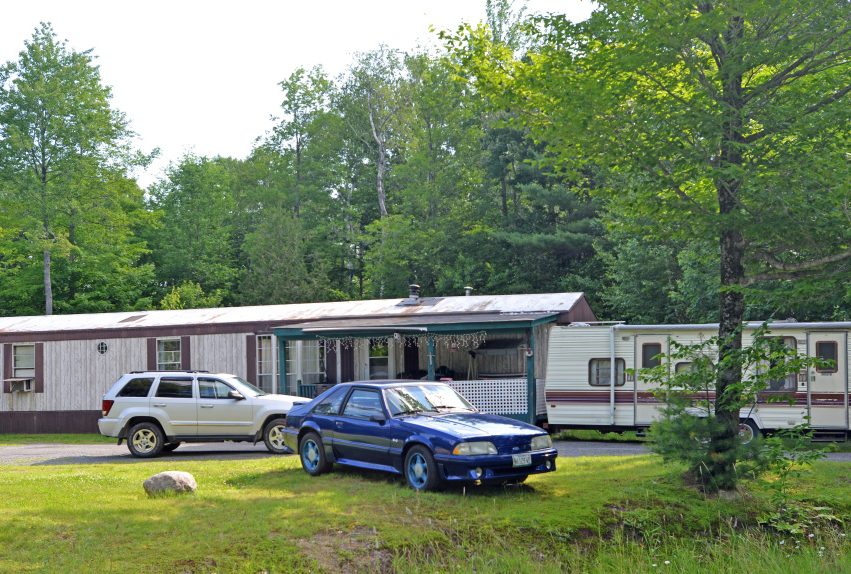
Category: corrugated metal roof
[537,303]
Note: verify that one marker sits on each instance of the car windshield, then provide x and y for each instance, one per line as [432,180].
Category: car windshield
[254,390]
[412,399]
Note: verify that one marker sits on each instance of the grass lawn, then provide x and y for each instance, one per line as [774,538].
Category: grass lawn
[23,439]
[619,514]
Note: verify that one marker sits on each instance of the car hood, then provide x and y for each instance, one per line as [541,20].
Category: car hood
[277,399]
[469,425]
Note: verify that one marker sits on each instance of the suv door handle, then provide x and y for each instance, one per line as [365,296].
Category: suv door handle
[159,404]
[206,406]
[339,424]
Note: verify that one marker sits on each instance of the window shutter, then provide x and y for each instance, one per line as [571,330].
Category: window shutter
[152,354]
[185,354]
[39,368]
[7,367]
[251,359]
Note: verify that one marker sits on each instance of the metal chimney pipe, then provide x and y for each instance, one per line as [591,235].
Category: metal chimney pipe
[468,290]
[414,291]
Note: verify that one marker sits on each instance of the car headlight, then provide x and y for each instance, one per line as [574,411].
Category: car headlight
[474,448]
[542,442]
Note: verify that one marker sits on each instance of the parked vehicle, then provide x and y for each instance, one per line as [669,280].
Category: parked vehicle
[425,431]
[594,377]
[156,411]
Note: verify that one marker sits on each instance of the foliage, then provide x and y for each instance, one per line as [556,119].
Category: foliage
[71,215]
[689,418]
[189,295]
[719,120]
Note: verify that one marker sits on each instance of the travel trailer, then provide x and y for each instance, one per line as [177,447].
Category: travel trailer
[593,376]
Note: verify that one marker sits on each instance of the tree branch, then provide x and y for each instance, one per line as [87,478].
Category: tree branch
[834,97]
[790,270]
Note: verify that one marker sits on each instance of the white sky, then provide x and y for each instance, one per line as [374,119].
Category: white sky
[203,76]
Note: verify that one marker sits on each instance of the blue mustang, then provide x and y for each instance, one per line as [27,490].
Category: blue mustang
[422,430]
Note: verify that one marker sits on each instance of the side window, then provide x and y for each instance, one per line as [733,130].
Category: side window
[363,404]
[23,361]
[213,389]
[330,405]
[684,367]
[650,355]
[827,351]
[175,388]
[599,372]
[136,388]
[790,381]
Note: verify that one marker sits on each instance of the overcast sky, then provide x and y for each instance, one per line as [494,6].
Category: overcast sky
[203,76]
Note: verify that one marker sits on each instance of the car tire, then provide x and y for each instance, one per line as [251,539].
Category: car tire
[420,469]
[168,447]
[312,454]
[273,436]
[748,431]
[145,440]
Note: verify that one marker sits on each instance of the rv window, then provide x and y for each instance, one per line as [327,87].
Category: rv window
[600,372]
[650,355]
[827,351]
[790,381]
[684,367]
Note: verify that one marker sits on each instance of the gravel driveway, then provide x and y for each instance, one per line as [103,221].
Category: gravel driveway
[51,454]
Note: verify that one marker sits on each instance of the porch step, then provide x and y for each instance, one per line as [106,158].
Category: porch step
[830,436]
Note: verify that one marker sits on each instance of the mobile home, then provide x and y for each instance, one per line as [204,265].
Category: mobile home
[594,381]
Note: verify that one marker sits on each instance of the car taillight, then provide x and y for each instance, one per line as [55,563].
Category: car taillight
[107,404]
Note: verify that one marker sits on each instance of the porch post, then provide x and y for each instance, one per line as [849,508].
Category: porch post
[531,387]
[431,357]
[282,365]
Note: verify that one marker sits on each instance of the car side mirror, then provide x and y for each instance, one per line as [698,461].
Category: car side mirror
[377,419]
[236,395]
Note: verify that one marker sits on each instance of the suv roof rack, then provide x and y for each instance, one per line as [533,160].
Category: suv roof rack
[177,371]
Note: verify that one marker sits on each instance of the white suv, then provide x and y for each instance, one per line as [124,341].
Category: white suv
[155,411]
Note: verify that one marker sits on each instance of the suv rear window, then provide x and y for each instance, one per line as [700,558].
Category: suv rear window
[136,388]
[173,388]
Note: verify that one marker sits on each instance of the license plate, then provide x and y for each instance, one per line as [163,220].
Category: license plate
[521,459]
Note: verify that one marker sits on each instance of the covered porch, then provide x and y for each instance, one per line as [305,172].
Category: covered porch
[495,360]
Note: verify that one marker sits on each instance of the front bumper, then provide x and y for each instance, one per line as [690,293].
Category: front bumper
[291,438]
[496,467]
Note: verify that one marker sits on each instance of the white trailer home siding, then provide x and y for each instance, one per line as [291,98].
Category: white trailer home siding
[56,368]
[574,399]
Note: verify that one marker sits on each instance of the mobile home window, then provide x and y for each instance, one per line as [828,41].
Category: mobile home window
[168,354]
[378,359]
[266,363]
[650,355]
[684,367]
[600,372]
[828,351]
[23,361]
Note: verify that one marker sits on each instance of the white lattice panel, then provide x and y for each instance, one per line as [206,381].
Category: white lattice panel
[495,396]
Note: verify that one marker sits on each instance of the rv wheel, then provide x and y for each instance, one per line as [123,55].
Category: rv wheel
[748,431]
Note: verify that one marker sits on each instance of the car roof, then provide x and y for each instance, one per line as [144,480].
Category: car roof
[385,383]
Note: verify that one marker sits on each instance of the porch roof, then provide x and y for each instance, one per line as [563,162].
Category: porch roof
[423,324]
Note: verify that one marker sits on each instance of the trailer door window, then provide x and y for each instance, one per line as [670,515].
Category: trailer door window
[650,355]
[827,351]
[600,372]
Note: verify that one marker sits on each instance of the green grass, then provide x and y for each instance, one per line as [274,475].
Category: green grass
[619,514]
[24,439]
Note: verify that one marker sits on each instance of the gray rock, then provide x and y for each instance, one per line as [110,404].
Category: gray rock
[175,481]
